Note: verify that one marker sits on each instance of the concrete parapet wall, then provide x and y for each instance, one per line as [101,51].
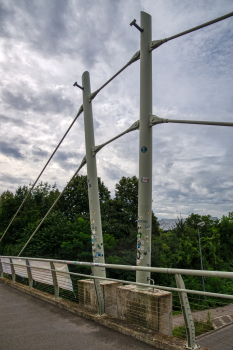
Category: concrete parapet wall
[87,295]
[146,308]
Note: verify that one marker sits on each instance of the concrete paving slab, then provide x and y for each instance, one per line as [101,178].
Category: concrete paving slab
[28,323]
[221,339]
[217,315]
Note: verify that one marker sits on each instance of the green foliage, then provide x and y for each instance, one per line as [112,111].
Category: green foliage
[38,203]
[201,327]
[75,199]
[65,234]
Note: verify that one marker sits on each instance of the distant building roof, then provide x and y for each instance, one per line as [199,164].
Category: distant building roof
[169,224]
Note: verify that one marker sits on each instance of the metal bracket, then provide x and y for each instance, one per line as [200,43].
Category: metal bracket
[99,295]
[134,126]
[83,162]
[156,43]
[133,23]
[80,110]
[12,270]
[156,120]
[30,280]
[135,57]
[96,149]
[188,319]
[80,87]
[93,95]
[55,284]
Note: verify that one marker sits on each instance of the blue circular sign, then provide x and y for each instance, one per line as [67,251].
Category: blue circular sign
[143,149]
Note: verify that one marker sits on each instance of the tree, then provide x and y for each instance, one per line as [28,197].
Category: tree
[75,199]
[37,204]
[226,238]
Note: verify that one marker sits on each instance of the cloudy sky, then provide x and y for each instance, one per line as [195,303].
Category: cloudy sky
[46,45]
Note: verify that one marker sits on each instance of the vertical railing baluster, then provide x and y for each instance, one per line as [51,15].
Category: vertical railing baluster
[188,319]
[55,284]
[30,280]
[1,269]
[12,270]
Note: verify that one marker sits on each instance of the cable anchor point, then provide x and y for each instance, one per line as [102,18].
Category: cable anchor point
[133,23]
[80,87]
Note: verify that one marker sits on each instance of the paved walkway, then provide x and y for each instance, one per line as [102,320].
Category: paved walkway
[221,316]
[222,339]
[27,323]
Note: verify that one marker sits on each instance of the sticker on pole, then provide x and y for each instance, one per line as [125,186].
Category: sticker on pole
[143,149]
[144,179]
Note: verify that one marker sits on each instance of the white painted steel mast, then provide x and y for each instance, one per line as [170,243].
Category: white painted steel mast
[92,179]
[145,153]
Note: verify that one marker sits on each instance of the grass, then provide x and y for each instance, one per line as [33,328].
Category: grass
[201,327]
[174,313]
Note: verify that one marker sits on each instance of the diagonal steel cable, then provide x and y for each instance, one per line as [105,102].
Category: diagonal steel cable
[25,198]
[55,202]
[153,45]
[135,57]
[156,43]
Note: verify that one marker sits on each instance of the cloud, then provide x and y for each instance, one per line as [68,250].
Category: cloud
[40,153]
[12,121]
[46,46]
[47,101]
[10,179]
[9,150]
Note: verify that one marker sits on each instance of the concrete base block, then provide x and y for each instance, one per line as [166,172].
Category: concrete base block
[146,308]
[87,295]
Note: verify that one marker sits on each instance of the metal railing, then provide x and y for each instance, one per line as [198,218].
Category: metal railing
[175,311]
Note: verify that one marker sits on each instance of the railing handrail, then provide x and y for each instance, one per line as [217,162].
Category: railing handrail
[126,267]
[170,271]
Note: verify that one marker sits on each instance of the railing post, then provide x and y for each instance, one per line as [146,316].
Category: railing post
[188,319]
[30,280]
[12,270]
[145,153]
[1,269]
[55,284]
[92,180]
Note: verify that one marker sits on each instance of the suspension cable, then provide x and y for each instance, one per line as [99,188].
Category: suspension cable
[25,198]
[156,43]
[135,57]
[55,202]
